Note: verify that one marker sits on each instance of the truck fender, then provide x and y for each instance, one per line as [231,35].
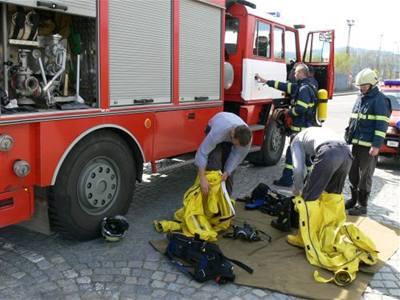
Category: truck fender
[96,128]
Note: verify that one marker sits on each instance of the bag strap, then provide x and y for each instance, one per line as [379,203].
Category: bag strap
[239,264]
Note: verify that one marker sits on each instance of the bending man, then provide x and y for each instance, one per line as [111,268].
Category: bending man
[331,163]
[227,142]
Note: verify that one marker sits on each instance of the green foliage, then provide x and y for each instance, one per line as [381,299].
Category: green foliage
[344,62]
[386,64]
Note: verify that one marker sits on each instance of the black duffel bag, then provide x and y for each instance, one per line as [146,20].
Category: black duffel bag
[200,259]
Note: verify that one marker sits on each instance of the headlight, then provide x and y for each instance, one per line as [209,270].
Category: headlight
[228,75]
[391,130]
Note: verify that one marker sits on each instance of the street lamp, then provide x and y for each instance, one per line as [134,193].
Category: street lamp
[350,23]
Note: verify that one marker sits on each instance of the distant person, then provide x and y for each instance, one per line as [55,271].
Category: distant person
[227,143]
[366,132]
[304,99]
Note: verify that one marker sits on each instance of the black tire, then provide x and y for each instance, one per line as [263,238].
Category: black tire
[96,180]
[272,148]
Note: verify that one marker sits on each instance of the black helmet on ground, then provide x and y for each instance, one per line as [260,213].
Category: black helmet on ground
[114,229]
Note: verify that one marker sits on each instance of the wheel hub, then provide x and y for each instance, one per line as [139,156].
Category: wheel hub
[98,185]
[276,140]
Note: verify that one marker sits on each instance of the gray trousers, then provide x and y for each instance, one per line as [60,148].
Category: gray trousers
[217,159]
[332,163]
[362,169]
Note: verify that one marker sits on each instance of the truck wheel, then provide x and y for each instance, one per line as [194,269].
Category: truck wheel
[272,148]
[96,180]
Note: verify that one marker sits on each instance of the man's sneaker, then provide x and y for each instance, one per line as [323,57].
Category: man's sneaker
[283,183]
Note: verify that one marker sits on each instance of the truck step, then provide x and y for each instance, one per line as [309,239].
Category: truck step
[256,127]
[169,164]
[254,148]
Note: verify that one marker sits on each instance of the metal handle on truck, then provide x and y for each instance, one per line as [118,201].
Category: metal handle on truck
[143,101]
[201,98]
[51,5]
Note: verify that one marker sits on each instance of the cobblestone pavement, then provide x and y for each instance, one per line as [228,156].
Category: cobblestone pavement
[35,266]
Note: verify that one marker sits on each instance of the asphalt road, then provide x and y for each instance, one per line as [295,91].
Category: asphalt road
[339,109]
[38,266]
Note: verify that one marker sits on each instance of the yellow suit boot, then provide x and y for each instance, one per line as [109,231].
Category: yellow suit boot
[295,240]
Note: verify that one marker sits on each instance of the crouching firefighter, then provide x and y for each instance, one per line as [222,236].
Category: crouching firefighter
[302,111]
[331,163]
[366,131]
[328,241]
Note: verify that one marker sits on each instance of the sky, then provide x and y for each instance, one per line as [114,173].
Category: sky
[375,22]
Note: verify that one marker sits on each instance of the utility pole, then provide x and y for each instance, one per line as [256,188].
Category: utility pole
[350,23]
[396,60]
[378,60]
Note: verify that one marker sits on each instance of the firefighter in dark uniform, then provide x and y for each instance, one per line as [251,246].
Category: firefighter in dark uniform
[304,100]
[366,131]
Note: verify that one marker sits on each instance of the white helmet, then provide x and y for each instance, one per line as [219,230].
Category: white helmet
[366,76]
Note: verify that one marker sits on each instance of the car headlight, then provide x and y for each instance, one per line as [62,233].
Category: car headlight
[392,130]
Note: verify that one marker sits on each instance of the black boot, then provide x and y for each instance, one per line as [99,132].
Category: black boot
[361,208]
[283,222]
[354,198]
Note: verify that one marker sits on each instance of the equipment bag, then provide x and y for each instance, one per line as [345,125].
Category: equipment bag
[201,260]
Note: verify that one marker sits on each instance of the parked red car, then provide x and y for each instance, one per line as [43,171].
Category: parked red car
[391,146]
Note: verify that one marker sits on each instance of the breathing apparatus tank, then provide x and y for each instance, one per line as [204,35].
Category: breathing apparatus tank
[322,108]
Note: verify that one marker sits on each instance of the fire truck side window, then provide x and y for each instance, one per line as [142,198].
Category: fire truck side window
[290,47]
[231,34]
[278,43]
[262,37]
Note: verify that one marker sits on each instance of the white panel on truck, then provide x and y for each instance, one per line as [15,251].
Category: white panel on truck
[271,70]
[140,51]
[75,7]
[199,51]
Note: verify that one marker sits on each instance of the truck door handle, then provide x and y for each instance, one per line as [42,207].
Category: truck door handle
[201,98]
[191,116]
[143,101]
[51,5]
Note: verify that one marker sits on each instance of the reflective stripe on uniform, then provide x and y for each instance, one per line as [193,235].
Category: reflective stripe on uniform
[361,143]
[276,84]
[378,118]
[289,88]
[302,103]
[294,112]
[295,128]
[370,117]
[288,166]
[380,133]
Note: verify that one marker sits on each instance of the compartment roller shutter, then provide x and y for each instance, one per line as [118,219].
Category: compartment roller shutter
[200,51]
[140,51]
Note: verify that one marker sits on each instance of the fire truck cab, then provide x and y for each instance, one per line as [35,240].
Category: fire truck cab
[91,90]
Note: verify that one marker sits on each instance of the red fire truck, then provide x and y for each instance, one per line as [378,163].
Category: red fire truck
[91,90]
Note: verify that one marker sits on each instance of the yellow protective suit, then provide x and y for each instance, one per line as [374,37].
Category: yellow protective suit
[329,242]
[203,216]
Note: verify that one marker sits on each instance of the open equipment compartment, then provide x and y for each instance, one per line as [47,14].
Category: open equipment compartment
[49,56]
